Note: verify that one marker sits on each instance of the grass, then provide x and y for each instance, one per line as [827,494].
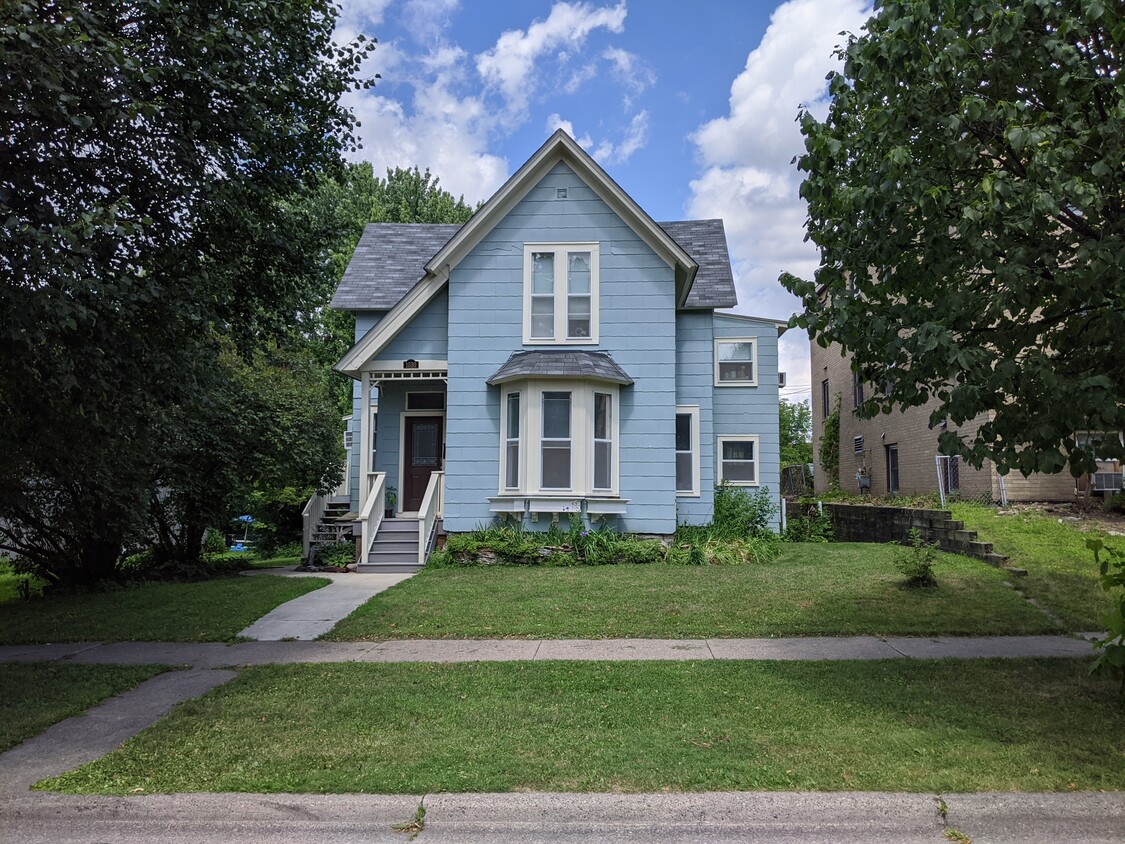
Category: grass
[811,589]
[204,611]
[38,694]
[1061,573]
[949,726]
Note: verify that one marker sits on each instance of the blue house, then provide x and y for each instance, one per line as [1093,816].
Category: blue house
[561,353]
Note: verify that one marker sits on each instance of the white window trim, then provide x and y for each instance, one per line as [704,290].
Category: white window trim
[505,438]
[757,459]
[693,411]
[561,250]
[753,341]
[611,438]
[581,437]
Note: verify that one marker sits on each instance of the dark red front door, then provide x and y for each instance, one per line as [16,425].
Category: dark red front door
[423,455]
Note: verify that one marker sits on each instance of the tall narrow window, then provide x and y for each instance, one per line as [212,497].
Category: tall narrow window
[603,441]
[824,399]
[543,295]
[578,295]
[892,468]
[687,450]
[858,388]
[512,443]
[556,442]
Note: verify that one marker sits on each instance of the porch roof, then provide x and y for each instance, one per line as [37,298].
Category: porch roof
[566,363]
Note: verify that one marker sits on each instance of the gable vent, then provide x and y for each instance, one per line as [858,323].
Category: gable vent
[859,445]
[781,379]
[560,193]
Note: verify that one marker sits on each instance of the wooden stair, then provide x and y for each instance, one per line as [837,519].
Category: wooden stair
[395,548]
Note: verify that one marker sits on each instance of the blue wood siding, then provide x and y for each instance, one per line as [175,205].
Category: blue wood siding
[364,322]
[637,326]
[426,337]
[751,410]
[694,377]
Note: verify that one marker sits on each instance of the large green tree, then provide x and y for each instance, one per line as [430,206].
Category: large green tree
[967,194]
[795,426]
[151,155]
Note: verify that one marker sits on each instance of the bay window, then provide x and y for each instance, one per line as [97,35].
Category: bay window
[566,429]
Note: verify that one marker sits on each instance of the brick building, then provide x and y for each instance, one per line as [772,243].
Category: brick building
[896,452]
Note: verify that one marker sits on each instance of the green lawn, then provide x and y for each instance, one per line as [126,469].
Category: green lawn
[205,611]
[1060,568]
[811,589]
[949,726]
[35,695]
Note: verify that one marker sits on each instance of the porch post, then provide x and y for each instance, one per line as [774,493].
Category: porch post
[364,436]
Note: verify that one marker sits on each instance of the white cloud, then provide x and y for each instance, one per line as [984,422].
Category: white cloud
[629,68]
[556,121]
[635,138]
[427,20]
[509,67]
[747,177]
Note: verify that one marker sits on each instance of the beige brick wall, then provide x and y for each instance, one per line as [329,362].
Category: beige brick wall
[917,444]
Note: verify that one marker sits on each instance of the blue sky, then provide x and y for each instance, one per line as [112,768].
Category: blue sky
[690,107]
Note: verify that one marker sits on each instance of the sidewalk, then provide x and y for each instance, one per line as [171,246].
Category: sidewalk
[217,655]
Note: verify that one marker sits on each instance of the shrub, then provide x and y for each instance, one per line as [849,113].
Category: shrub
[829,452]
[514,546]
[1111,578]
[814,526]
[740,512]
[706,545]
[1116,503]
[916,561]
[336,555]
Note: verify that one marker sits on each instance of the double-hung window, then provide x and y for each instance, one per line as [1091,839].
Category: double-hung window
[687,451]
[736,362]
[561,293]
[603,442]
[738,460]
[556,441]
[512,441]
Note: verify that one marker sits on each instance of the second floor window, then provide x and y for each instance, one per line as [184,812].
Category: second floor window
[560,293]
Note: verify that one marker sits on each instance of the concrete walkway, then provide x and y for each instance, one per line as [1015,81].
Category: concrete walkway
[317,612]
[217,655]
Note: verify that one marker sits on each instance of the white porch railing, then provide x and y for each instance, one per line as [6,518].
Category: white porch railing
[372,515]
[432,506]
[310,518]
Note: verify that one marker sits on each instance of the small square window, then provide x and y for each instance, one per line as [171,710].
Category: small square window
[736,362]
[738,460]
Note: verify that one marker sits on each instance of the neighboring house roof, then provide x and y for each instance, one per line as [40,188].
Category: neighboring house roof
[391,258]
[560,364]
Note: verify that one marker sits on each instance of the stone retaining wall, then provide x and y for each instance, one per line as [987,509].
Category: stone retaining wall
[860,523]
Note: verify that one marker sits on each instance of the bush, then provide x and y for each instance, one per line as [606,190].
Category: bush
[740,512]
[514,546]
[697,545]
[336,555]
[1116,503]
[916,561]
[1111,570]
[814,526]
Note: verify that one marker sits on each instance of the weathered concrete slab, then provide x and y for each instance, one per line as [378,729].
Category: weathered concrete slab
[265,653]
[315,613]
[813,647]
[43,653]
[84,738]
[981,647]
[153,653]
[454,650]
[624,649]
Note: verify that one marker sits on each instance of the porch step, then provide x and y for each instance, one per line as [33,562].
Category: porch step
[395,548]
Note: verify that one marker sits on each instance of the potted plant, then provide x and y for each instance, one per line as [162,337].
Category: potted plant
[390,498]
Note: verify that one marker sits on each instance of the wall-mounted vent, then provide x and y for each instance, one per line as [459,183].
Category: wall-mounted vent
[348,439]
[560,193]
[781,379]
[859,445]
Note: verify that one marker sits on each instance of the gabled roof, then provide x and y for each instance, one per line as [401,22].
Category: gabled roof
[391,258]
[562,363]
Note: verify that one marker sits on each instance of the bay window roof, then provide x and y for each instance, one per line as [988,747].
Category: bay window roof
[560,363]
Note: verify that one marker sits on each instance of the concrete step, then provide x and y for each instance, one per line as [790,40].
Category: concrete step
[389,568]
[395,546]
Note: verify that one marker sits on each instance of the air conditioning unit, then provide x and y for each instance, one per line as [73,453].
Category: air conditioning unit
[1108,481]
[781,379]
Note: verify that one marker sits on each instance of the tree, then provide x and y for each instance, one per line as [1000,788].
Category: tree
[967,194]
[795,423]
[150,155]
[408,196]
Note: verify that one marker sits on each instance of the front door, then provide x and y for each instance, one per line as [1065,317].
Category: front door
[422,454]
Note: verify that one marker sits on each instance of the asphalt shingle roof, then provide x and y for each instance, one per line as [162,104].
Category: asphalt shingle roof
[563,363]
[391,258]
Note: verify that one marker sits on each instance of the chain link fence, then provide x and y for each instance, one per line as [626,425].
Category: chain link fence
[949,485]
